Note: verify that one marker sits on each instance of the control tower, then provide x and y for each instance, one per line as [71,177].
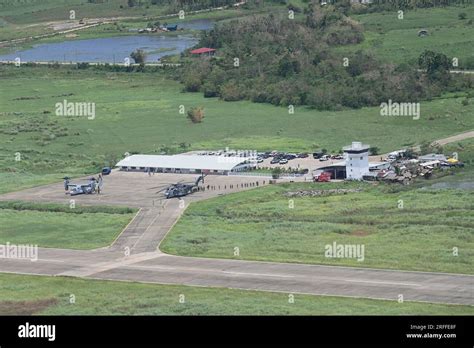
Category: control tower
[357,160]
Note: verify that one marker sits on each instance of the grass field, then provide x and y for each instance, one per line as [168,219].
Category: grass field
[30,295]
[33,11]
[419,236]
[56,226]
[139,113]
[396,40]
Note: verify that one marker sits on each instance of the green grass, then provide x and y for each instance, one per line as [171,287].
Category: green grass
[396,40]
[420,237]
[62,208]
[35,11]
[139,112]
[28,295]
[19,181]
[56,226]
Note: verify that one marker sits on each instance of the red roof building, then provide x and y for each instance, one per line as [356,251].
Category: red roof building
[203,50]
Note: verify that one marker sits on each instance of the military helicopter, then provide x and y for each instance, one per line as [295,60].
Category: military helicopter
[79,189]
[181,189]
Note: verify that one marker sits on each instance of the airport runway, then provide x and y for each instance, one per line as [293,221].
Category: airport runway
[156,267]
[134,256]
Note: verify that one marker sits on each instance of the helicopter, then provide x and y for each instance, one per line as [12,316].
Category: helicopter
[181,189]
[79,189]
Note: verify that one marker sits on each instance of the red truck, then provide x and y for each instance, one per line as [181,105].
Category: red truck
[323,177]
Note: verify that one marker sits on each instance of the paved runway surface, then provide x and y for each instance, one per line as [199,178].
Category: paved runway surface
[134,255]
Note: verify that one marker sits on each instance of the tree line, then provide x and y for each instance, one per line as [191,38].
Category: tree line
[270,59]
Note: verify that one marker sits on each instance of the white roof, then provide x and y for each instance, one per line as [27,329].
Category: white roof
[182,162]
[430,163]
[356,146]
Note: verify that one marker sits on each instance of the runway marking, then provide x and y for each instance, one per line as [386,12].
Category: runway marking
[377,282]
[260,274]
[215,271]
[180,269]
[42,260]
[159,214]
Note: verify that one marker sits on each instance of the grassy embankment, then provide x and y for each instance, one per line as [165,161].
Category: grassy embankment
[59,226]
[396,40]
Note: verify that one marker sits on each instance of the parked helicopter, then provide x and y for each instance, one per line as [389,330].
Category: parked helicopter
[79,189]
[181,189]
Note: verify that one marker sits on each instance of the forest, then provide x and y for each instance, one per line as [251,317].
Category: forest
[273,59]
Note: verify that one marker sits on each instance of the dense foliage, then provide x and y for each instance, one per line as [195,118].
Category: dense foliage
[274,59]
[386,5]
[186,5]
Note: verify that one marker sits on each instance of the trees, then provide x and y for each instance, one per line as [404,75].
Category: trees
[139,56]
[276,172]
[374,150]
[230,92]
[192,83]
[434,62]
[286,62]
[196,114]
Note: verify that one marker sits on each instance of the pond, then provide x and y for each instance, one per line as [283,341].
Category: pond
[111,49]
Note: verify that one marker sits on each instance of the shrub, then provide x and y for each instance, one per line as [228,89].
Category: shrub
[196,114]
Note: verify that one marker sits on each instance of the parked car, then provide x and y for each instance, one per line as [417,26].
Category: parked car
[324,158]
[338,157]
[289,156]
[317,155]
[259,159]
[275,160]
[302,155]
[283,161]
[106,171]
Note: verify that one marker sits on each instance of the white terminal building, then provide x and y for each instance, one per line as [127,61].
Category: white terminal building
[357,160]
[186,164]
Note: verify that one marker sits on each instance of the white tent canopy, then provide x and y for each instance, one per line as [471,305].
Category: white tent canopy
[187,162]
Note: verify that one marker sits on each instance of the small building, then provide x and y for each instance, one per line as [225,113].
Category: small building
[432,157]
[185,164]
[430,164]
[357,160]
[338,170]
[375,166]
[204,51]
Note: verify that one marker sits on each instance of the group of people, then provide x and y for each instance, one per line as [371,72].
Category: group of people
[97,183]
[231,186]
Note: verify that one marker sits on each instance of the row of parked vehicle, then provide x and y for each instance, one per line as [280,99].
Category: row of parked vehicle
[281,157]
[326,157]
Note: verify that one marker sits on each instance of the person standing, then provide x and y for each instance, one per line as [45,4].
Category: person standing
[99,185]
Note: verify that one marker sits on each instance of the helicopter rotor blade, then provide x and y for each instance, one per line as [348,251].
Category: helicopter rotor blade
[163,189]
[160,186]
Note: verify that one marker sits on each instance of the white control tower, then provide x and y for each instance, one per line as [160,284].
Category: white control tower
[357,160]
